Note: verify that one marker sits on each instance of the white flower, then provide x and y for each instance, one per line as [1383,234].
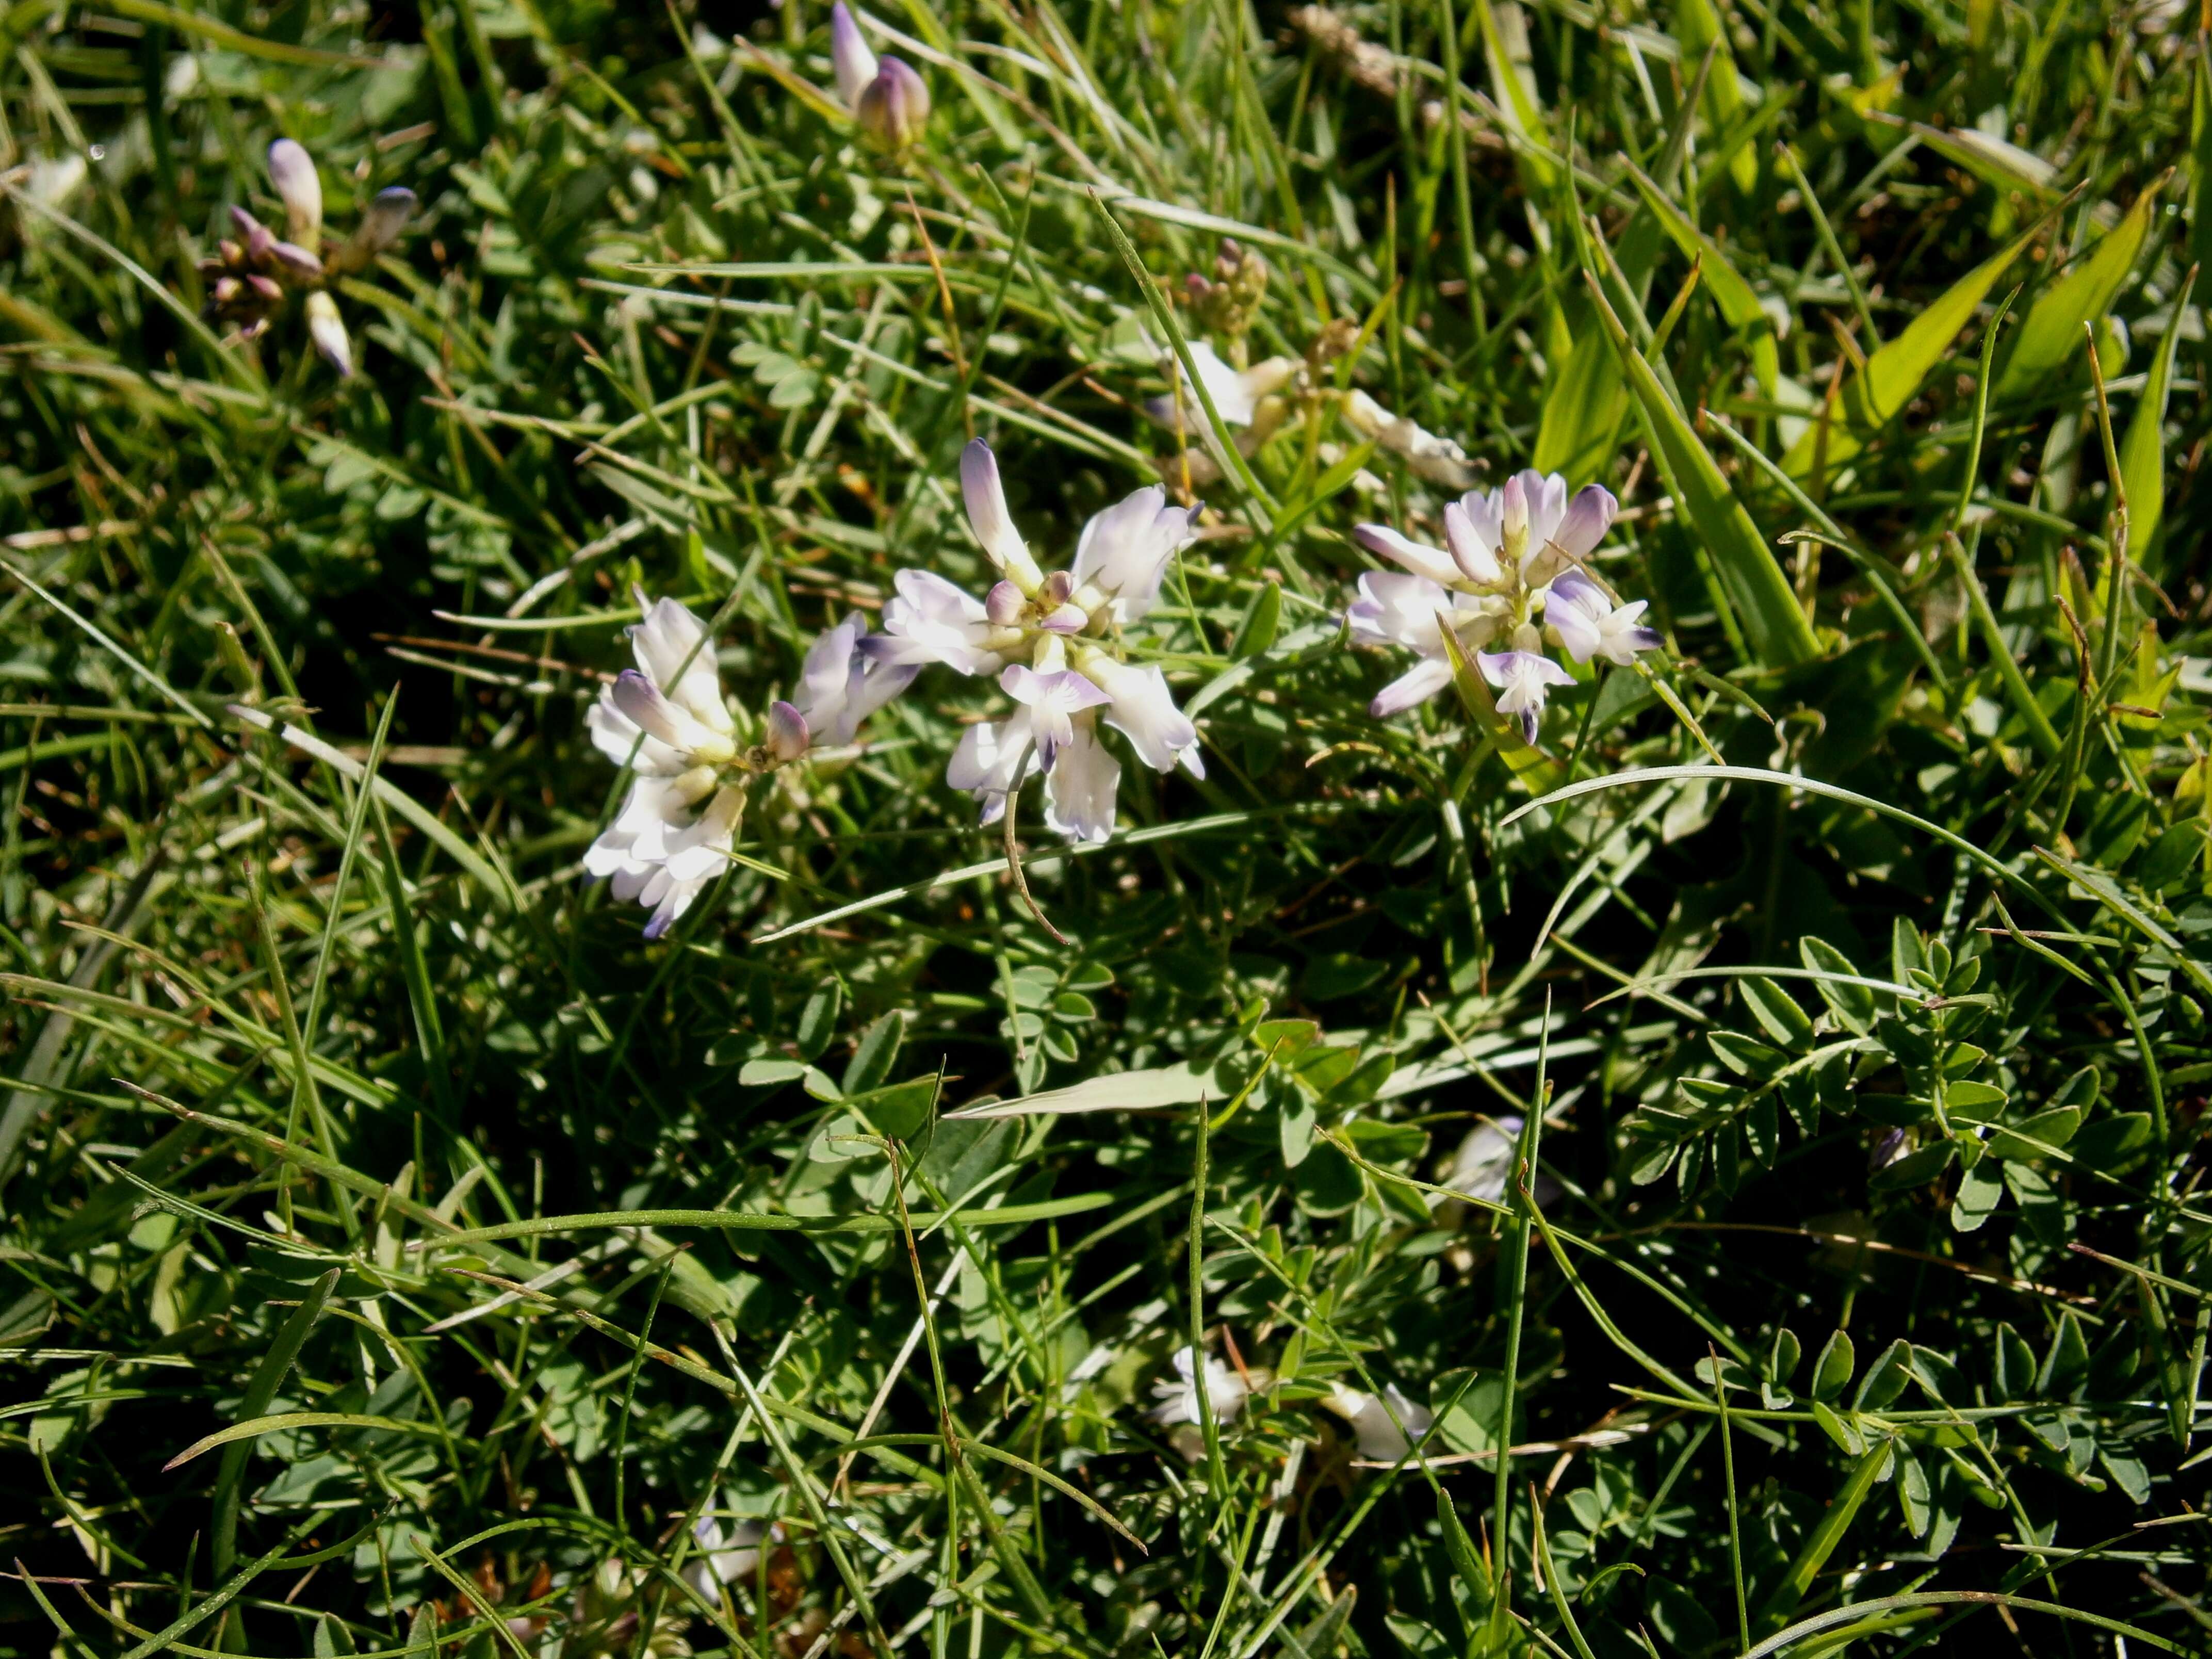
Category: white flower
[1438,460]
[849,55]
[666,715]
[1521,678]
[1080,796]
[292,170]
[1590,625]
[1381,1440]
[1404,610]
[992,758]
[1053,699]
[986,496]
[1122,555]
[1431,564]
[1144,712]
[695,857]
[1236,393]
[932,621]
[328,330]
[840,685]
[885,96]
[723,1558]
[1179,1401]
[637,841]
[1485,1160]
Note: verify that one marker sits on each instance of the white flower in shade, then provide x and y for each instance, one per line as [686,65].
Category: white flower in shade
[1142,710]
[1523,678]
[1053,699]
[1179,1400]
[1122,555]
[1438,460]
[1485,1160]
[1080,794]
[1380,1439]
[1590,625]
[723,1557]
[292,170]
[932,621]
[840,685]
[992,759]
[1237,392]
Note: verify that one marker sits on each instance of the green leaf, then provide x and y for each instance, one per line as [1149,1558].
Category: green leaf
[1774,1613]
[1261,622]
[1757,589]
[1915,1169]
[1776,1010]
[267,1376]
[2032,1138]
[871,1060]
[1832,1371]
[1577,432]
[1885,1378]
[1893,375]
[1981,1190]
[2052,333]
[1852,1005]
[2142,451]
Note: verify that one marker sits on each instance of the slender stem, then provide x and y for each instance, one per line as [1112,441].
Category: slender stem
[1735,1537]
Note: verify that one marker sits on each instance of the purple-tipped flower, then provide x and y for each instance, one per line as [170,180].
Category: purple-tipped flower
[894,107]
[380,227]
[854,64]
[1590,625]
[297,261]
[1523,678]
[1053,700]
[787,738]
[986,497]
[292,170]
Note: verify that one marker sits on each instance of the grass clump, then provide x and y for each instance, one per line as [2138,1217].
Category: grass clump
[1710,1163]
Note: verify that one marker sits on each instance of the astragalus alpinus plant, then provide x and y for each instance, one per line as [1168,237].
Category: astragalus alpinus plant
[1606,606]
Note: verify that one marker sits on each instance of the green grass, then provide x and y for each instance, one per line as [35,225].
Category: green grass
[399,1255]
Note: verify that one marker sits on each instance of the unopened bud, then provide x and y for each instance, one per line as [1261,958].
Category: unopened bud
[787,737]
[894,107]
[1003,605]
[327,329]
[1513,516]
[1058,589]
[267,287]
[292,170]
[1068,619]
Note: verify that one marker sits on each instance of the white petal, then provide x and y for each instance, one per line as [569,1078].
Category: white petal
[986,495]
[849,55]
[1417,684]
[292,170]
[1432,563]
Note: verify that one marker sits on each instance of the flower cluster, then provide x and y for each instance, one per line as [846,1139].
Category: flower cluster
[1055,642]
[885,96]
[1511,556]
[666,719]
[250,276]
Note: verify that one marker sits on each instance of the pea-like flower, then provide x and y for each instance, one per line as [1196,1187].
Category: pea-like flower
[887,96]
[1054,641]
[250,277]
[668,721]
[1510,572]
[1380,1423]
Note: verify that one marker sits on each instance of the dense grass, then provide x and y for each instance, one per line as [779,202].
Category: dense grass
[1850,1284]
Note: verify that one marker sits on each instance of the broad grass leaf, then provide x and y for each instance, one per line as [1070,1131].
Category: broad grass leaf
[1583,410]
[1782,1602]
[1697,26]
[1758,592]
[1893,375]
[2052,333]
[2142,451]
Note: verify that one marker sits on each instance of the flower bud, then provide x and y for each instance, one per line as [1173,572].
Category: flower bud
[1058,588]
[292,170]
[297,261]
[1003,605]
[327,329]
[787,737]
[1068,619]
[850,56]
[894,107]
[1513,517]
